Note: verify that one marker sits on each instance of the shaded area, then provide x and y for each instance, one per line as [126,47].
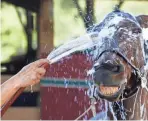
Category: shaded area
[27,99]
[33,5]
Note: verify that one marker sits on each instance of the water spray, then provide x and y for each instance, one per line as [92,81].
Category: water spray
[79,44]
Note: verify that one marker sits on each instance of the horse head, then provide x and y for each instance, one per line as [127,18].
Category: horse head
[119,61]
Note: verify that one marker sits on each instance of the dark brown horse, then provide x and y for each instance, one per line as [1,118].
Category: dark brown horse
[119,73]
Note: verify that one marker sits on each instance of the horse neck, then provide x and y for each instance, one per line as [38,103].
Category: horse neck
[136,107]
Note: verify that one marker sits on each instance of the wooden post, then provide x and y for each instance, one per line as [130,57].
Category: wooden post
[45,28]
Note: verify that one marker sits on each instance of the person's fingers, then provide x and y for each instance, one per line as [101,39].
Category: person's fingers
[41,62]
[33,76]
[41,71]
[37,81]
[33,66]
[36,78]
[39,76]
[45,65]
[28,68]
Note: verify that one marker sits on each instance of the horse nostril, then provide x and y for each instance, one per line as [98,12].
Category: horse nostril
[110,66]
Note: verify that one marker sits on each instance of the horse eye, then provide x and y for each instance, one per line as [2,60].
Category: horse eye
[115,69]
[136,31]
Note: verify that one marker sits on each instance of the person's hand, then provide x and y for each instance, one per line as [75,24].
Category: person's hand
[32,73]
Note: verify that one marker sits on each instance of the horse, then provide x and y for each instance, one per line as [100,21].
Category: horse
[119,72]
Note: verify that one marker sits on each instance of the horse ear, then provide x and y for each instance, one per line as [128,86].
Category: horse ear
[143,20]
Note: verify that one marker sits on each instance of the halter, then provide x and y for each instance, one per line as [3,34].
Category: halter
[120,55]
[125,93]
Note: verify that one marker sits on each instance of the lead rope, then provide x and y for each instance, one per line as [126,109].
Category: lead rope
[91,107]
[92,94]
[83,113]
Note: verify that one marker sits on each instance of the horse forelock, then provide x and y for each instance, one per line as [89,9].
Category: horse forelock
[109,26]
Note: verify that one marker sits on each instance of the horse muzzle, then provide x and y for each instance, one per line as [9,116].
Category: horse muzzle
[110,81]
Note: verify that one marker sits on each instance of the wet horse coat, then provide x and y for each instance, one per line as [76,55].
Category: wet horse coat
[114,76]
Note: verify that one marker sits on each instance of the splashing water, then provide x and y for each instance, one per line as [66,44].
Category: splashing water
[144,83]
[85,117]
[65,82]
[75,99]
[122,110]
[82,43]
[112,111]
[103,114]
[142,110]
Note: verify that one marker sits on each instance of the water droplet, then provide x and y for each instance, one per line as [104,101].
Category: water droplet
[75,99]
[48,89]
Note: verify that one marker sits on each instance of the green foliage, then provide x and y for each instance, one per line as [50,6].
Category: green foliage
[68,5]
[13,39]
[67,23]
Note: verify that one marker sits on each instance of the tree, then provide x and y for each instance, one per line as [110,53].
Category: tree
[87,14]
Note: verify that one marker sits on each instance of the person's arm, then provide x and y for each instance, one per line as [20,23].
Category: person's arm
[29,75]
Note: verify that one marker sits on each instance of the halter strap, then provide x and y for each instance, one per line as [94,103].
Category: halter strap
[120,55]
